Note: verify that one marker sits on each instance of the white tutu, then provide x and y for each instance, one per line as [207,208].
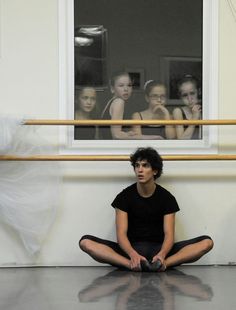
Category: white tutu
[28,189]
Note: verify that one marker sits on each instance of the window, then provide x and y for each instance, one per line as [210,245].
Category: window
[90,46]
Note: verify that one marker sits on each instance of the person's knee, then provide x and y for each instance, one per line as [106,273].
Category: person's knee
[207,245]
[85,243]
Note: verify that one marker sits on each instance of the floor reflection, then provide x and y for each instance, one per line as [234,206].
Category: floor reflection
[21,289]
[134,290]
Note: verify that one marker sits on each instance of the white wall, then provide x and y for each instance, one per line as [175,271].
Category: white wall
[29,86]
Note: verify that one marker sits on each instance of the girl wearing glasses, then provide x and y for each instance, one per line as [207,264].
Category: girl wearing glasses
[155,96]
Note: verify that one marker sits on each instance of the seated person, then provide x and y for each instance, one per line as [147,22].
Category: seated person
[155,95]
[145,221]
[85,109]
[121,88]
[189,93]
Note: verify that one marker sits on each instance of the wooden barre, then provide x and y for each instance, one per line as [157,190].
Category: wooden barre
[112,157]
[129,122]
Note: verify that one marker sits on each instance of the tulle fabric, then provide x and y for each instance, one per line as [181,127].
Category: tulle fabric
[28,190]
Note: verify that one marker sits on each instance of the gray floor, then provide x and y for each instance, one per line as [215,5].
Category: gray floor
[188,287]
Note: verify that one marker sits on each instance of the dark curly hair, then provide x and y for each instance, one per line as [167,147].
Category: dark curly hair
[151,156]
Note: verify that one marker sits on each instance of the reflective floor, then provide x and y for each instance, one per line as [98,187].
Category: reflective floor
[188,287]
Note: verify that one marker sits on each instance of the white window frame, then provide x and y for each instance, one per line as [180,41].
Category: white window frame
[207,145]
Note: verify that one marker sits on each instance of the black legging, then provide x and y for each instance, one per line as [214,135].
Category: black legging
[146,248]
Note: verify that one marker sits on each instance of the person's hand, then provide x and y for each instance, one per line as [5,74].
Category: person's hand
[158,257]
[162,110]
[131,133]
[196,110]
[135,260]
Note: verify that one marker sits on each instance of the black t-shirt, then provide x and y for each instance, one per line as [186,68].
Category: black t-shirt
[145,214]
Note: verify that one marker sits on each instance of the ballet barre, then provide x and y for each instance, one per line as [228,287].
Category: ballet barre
[113,157]
[184,157]
[129,122]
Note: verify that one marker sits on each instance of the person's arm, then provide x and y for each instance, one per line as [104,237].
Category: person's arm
[169,230]
[137,130]
[117,113]
[187,133]
[123,241]
[169,129]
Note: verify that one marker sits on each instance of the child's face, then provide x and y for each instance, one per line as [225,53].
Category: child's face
[157,96]
[122,87]
[87,99]
[189,94]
